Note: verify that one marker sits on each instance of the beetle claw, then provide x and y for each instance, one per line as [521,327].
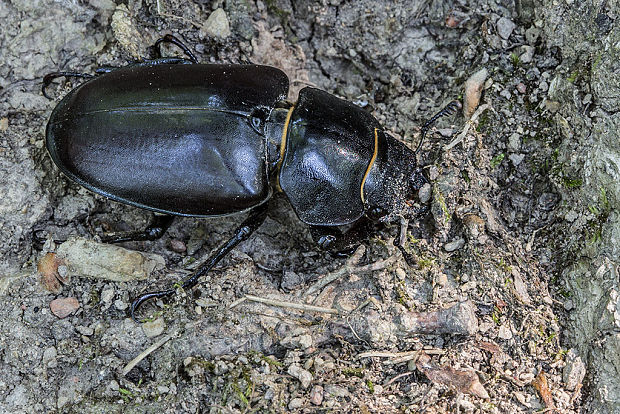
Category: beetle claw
[147,296]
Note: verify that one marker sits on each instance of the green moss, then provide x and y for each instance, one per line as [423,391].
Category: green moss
[353,372]
[515,59]
[497,160]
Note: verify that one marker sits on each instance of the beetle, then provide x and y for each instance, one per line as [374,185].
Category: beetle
[181,138]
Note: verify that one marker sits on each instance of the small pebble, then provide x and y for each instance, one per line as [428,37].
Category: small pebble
[153,328]
[531,35]
[574,371]
[505,27]
[514,142]
[217,24]
[473,91]
[521,88]
[296,403]
[107,295]
[85,330]
[454,245]
[63,307]
[337,391]
[301,374]
[505,332]
[424,194]
[516,158]
[316,395]
[120,304]
[527,54]
[178,246]
[49,357]
[4,124]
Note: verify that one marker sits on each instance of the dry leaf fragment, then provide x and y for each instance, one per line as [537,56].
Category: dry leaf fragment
[48,269]
[542,386]
[473,91]
[463,381]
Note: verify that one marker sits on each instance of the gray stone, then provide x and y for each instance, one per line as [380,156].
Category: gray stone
[304,376]
[574,370]
[154,328]
[425,193]
[217,24]
[454,245]
[105,261]
[505,27]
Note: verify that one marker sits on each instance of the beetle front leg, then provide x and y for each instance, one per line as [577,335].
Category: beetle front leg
[242,233]
[340,243]
[154,231]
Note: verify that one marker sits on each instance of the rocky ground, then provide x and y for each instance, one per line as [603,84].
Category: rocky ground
[488,314]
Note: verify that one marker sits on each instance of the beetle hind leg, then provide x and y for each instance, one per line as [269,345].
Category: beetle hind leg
[242,233]
[47,79]
[168,38]
[155,230]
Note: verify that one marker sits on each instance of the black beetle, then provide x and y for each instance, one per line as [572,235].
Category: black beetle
[187,139]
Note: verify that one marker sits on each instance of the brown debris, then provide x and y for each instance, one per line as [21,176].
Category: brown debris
[542,386]
[63,307]
[458,319]
[463,381]
[473,91]
[50,278]
[519,289]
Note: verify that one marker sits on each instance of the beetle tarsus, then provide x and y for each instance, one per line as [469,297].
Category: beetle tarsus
[447,110]
[242,233]
[47,79]
[154,231]
[175,41]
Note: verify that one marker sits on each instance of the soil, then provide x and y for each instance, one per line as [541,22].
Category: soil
[470,319]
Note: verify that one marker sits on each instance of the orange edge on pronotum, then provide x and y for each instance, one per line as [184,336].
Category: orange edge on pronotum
[372,161]
[283,144]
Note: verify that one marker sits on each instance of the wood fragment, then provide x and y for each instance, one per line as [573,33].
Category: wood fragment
[144,354]
[468,125]
[292,305]
[349,268]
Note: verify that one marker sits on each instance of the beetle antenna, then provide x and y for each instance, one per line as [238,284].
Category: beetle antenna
[449,109]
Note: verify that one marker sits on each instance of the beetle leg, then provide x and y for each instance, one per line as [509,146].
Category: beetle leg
[341,244]
[154,231]
[175,41]
[242,233]
[47,79]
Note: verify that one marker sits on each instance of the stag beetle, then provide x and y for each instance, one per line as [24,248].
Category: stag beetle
[181,138]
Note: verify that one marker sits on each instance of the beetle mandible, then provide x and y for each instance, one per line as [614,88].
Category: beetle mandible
[186,139]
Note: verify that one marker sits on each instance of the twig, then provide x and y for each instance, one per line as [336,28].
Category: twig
[404,374]
[398,357]
[348,269]
[237,302]
[460,137]
[145,353]
[292,305]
